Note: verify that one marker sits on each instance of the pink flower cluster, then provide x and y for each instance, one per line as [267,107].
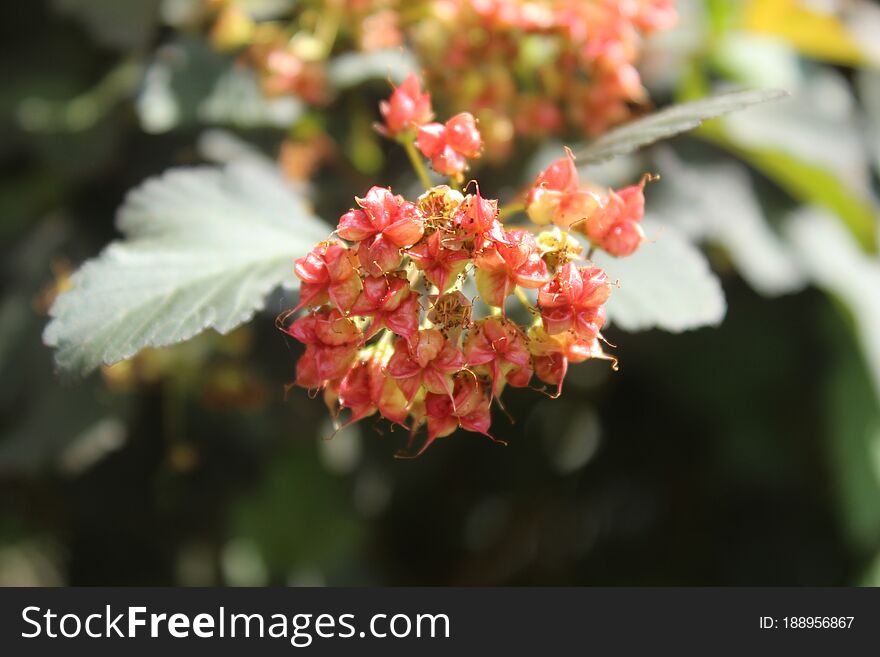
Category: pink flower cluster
[611,221]
[535,67]
[390,325]
[522,67]
[448,146]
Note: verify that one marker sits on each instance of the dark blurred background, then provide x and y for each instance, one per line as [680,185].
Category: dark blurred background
[745,454]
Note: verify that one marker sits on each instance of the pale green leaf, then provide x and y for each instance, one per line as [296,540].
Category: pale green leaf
[671,121]
[188,83]
[203,248]
[812,148]
[869,90]
[353,68]
[666,284]
[717,202]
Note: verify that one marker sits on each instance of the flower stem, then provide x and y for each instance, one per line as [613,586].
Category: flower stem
[510,209]
[523,299]
[418,163]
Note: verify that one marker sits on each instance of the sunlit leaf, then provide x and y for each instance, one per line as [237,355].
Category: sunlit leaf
[353,68]
[869,88]
[189,83]
[812,184]
[202,249]
[820,124]
[717,202]
[809,29]
[670,122]
[666,284]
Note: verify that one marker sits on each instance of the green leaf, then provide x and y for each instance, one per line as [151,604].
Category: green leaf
[666,284]
[811,184]
[670,122]
[351,69]
[203,248]
[188,83]
[717,202]
[869,90]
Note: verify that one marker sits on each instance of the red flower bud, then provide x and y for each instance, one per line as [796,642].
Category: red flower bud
[407,107]
[553,353]
[615,227]
[462,135]
[449,146]
[328,272]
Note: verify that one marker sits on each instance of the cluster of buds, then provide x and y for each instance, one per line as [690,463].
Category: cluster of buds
[611,221]
[390,324]
[532,67]
[523,67]
[448,146]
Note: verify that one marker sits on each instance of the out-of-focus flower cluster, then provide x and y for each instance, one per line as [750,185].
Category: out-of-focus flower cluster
[388,326]
[536,68]
[525,67]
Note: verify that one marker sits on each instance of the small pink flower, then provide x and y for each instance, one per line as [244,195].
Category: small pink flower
[462,135]
[366,389]
[407,107]
[390,303]
[440,264]
[500,346]
[615,228]
[573,301]
[655,15]
[331,340]
[555,196]
[468,408]
[560,176]
[451,310]
[553,353]
[449,146]
[478,218]
[382,226]
[428,360]
[504,266]
[328,273]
